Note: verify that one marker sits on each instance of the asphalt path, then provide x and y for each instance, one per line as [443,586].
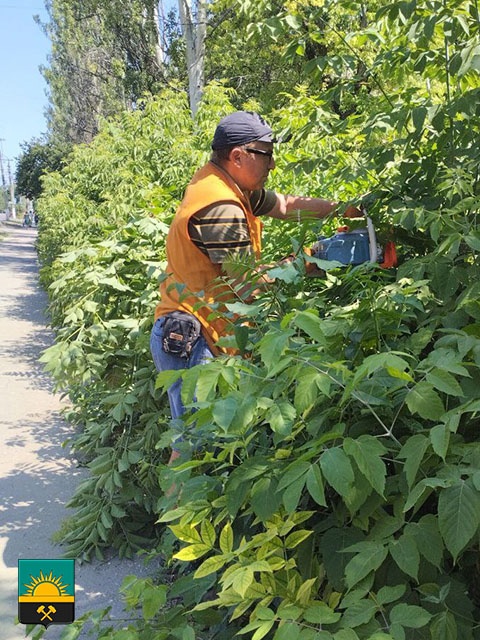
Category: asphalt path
[37,475]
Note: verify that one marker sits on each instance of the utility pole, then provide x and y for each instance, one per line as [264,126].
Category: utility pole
[4,182]
[12,192]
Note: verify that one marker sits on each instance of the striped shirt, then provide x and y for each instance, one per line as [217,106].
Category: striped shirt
[221,230]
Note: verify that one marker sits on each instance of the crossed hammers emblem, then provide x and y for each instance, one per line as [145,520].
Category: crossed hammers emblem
[46,614]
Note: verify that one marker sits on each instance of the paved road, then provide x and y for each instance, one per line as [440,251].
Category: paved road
[37,476]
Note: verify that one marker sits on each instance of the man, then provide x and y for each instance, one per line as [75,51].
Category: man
[218,222]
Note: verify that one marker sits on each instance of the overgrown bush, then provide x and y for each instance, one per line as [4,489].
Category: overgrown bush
[330,488]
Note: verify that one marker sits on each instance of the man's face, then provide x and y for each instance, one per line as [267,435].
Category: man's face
[253,163]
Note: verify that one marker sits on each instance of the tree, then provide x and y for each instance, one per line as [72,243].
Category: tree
[247,59]
[105,56]
[37,159]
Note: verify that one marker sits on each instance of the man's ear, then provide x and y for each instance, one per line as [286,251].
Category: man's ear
[236,156]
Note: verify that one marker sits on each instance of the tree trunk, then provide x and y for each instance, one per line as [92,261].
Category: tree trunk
[194,31]
[159,47]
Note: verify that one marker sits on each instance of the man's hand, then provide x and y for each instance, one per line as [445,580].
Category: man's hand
[352,212]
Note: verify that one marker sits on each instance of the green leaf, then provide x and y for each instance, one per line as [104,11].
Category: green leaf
[287,631]
[409,616]
[263,630]
[224,411]
[207,533]
[153,598]
[188,633]
[281,416]
[210,565]
[381,361]
[311,324]
[428,538]
[245,413]
[412,452]
[405,553]
[444,626]
[458,516]
[226,538]
[288,611]
[192,552]
[241,337]
[367,451]
[315,485]
[291,495]
[203,383]
[345,634]
[440,439]
[425,401]
[320,613]
[418,117]
[337,470]
[165,379]
[416,496]
[114,283]
[364,562]
[292,473]
[243,309]
[186,533]
[444,381]
[294,22]
[260,565]
[106,519]
[242,579]
[306,390]
[285,273]
[304,592]
[385,595]
[296,538]
[272,346]
[69,633]
[102,464]
[264,498]
[117,511]
[359,613]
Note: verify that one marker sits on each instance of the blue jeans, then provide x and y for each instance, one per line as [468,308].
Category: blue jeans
[200,354]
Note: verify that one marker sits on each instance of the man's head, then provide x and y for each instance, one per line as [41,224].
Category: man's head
[240,128]
[243,145]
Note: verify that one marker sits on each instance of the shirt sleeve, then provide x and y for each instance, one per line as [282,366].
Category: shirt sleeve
[220,232]
[262,201]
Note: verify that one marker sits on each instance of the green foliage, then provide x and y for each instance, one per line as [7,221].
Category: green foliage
[329,487]
[120,175]
[102,260]
[37,159]
[104,58]
[254,68]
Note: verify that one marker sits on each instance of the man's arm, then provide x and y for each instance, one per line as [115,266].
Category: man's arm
[299,208]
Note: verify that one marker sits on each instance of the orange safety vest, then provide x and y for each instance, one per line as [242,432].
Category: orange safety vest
[193,283]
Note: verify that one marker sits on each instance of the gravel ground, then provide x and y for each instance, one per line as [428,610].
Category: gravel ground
[37,475]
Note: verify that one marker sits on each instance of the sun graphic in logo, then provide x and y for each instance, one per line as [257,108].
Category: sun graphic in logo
[46,586]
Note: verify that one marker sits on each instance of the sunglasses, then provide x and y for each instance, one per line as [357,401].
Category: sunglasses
[259,152]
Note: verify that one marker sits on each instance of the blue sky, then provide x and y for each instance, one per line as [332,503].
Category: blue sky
[23,48]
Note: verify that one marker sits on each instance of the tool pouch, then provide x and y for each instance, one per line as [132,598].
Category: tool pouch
[180,333]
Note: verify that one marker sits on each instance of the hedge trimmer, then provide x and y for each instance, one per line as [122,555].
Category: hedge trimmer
[355,246]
